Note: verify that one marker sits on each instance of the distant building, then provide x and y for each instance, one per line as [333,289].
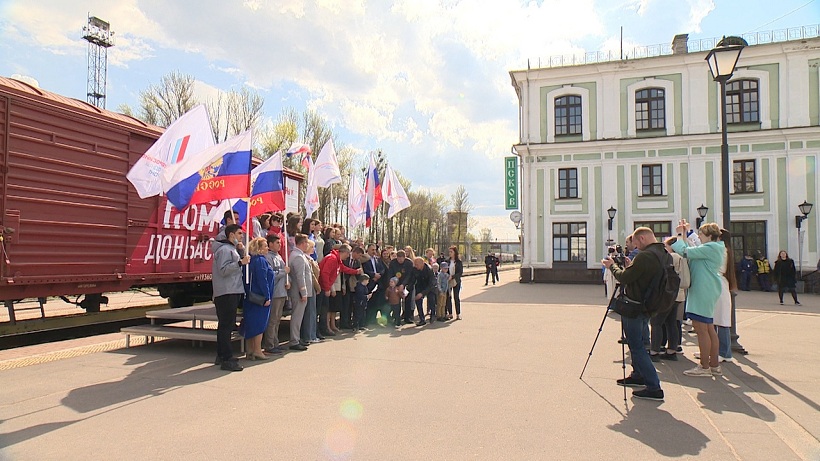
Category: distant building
[643,136]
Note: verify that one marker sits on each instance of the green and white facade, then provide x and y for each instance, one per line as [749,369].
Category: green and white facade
[643,136]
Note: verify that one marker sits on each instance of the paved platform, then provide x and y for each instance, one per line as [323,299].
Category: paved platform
[500,384]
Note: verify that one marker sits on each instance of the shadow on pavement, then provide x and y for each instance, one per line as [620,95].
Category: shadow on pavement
[13,438]
[158,373]
[757,383]
[661,431]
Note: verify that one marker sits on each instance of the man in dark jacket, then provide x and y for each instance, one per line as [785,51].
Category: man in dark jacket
[349,283]
[424,284]
[488,268]
[748,267]
[374,268]
[402,269]
[636,279]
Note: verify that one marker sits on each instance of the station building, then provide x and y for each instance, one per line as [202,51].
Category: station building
[642,136]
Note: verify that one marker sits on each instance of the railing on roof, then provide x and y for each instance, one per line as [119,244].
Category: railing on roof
[693,46]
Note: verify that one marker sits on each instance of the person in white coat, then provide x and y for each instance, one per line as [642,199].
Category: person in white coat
[723,307]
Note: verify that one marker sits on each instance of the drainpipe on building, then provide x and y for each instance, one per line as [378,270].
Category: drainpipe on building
[529,178]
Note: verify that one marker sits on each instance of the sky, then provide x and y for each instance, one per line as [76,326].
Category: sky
[425,81]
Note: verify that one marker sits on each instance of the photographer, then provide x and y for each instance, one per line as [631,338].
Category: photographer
[610,284]
[637,277]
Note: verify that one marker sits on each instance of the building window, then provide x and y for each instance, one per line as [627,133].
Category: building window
[748,237]
[569,242]
[568,183]
[651,180]
[744,176]
[661,229]
[650,109]
[742,101]
[568,115]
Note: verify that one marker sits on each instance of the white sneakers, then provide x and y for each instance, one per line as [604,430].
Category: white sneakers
[699,371]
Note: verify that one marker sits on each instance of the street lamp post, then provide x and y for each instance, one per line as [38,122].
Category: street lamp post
[702,211]
[722,61]
[611,212]
[804,208]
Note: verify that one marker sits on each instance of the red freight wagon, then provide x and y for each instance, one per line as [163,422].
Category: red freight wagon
[72,224]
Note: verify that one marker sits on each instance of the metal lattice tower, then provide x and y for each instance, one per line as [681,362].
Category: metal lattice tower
[100,37]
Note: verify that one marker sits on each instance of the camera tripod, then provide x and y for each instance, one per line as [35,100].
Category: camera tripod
[623,341]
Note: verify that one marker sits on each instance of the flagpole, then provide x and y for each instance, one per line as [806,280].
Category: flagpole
[285,233]
[248,222]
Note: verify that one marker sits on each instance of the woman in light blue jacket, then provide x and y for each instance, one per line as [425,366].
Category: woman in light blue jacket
[705,263]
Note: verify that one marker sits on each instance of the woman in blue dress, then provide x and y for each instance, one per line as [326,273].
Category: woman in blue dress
[255,316]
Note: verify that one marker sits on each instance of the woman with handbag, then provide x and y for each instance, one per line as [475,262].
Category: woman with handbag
[256,305]
[705,262]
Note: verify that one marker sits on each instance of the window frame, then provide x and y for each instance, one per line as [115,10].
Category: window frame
[651,183]
[745,96]
[655,109]
[657,227]
[566,242]
[749,237]
[573,124]
[743,173]
[568,190]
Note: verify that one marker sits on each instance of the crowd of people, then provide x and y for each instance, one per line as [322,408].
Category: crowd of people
[704,260]
[784,274]
[329,282]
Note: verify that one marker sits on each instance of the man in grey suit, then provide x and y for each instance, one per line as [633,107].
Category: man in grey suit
[301,288]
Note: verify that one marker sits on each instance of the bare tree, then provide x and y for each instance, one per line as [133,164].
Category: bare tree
[461,209]
[125,109]
[234,112]
[165,102]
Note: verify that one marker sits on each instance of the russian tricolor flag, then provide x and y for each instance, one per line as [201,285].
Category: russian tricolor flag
[268,186]
[297,148]
[220,172]
[373,190]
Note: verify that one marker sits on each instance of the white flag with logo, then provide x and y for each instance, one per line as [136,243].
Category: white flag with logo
[187,136]
[326,167]
[312,192]
[394,193]
[356,203]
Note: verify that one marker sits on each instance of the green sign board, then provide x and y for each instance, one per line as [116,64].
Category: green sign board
[511,183]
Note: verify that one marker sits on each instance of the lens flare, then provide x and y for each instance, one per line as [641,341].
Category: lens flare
[351,410]
[341,439]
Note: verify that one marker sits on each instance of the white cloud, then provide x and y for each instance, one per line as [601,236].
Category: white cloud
[57,26]
[427,77]
[698,10]
[26,79]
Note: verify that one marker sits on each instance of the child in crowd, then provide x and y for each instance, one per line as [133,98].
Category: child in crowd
[361,296]
[431,310]
[393,295]
[442,280]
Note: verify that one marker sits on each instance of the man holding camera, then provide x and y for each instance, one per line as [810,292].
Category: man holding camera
[636,278]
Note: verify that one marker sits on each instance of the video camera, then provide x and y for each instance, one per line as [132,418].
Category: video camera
[618,256]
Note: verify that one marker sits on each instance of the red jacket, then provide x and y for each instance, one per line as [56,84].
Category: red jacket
[329,269]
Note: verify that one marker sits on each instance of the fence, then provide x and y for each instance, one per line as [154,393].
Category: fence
[693,46]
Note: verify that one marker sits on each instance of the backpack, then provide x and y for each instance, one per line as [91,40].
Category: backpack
[664,288]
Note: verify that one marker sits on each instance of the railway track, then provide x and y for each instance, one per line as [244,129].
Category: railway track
[66,321]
